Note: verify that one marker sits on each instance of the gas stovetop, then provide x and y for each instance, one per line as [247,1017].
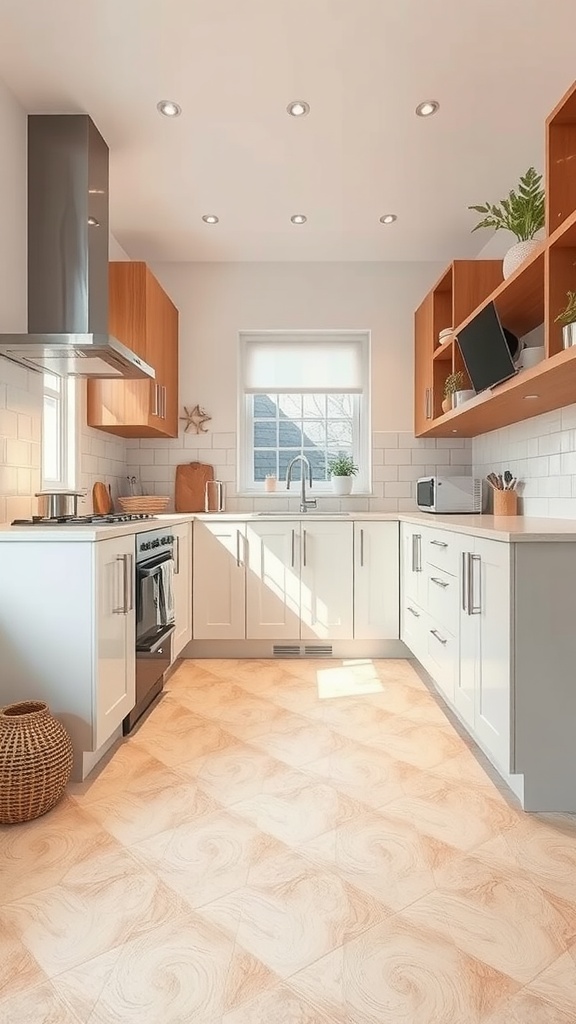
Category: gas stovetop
[90,520]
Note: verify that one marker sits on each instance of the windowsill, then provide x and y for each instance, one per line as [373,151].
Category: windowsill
[310,493]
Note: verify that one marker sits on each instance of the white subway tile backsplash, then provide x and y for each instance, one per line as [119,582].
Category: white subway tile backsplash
[223,440]
[398,489]
[384,473]
[17,452]
[8,423]
[384,439]
[398,456]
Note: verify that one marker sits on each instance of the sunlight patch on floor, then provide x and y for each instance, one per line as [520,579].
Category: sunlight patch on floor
[351,679]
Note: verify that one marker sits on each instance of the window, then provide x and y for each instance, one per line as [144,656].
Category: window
[59,432]
[303,394]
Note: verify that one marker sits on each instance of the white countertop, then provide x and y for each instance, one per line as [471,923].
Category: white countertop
[509,529]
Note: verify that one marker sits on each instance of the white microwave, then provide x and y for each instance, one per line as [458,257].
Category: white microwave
[449,494]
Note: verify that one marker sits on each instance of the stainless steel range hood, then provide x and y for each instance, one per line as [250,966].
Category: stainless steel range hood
[68,256]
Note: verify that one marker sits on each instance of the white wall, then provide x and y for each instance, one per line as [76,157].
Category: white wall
[217,300]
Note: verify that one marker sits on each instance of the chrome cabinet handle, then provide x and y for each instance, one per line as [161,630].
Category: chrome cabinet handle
[304,538]
[293,549]
[238,558]
[439,543]
[155,406]
[474,609]
[164,402]
[439,583]
[438,637]
[465,581]
[361,549]
[413,612]
[131,581]
[419,550]
[127,586]
[413,552]
[177,559]
[428,405]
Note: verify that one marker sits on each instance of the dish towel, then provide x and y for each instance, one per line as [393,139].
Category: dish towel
[165,607]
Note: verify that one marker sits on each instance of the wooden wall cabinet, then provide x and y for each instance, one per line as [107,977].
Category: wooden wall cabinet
[144,319]
[533,296]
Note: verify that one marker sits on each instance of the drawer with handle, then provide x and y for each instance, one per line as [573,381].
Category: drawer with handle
[414,628]
[442,550]
[442,597]
[442,658]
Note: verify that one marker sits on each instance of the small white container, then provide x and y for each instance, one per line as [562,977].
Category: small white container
[270,483]
[342,484]
[569,335]
[460,397]
[531,356]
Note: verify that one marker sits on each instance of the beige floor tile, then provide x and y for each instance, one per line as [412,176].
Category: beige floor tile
[236,773]
[397,974]
[418,744]
[127,767]
[175,735]
[295,807]
[280,1005]
[99,905]
[294,739]
[544,848]
[208,858]
[557,983]
[38,1005]
[19,971]
[528,1008]
[292,912]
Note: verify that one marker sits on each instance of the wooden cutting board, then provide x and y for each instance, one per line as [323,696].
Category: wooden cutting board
[191,481]
[101,498]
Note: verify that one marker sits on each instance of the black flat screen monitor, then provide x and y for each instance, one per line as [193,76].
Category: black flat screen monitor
[485,350]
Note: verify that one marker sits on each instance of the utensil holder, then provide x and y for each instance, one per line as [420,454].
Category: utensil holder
[214,496]
[505,503]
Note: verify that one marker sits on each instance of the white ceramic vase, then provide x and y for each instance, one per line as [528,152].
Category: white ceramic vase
[460,397]
[342,484]
[569,335]
[516,256]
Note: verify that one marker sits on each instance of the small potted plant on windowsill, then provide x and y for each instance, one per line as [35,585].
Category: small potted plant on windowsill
[521,213]
[568,320]
[342,468]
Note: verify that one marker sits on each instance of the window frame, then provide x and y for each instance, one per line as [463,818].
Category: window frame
[68,434]
[361,431]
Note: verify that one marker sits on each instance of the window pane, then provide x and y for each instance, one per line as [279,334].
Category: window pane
[339,405]
[314,432]
[265,463]
[339,433]
[314,406]
[289,434]
[317,459]
[290,406]
[51,439]
[265,434]
[284,459]
[264,405]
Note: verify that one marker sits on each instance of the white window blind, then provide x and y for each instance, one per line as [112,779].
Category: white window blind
[304,363]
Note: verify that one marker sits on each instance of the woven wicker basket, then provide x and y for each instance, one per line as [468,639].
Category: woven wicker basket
[143,503]
[35,761]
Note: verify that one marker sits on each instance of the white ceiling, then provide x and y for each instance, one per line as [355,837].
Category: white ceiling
[496,66]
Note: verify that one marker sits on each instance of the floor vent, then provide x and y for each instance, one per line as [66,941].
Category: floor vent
[286,650]
[318,651]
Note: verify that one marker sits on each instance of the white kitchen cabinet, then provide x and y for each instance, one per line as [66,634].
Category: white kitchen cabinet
[219,605]
[327,580]
[273,580]
[182,587]
[115,629]
[413,579]
[376,581]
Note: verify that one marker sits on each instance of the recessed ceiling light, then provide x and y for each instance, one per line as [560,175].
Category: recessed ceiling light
[93,222]
[298,218]
[298,108]
[388,218]
[210,218]
[427,108]
[169,108]
[526,397]
[454,431]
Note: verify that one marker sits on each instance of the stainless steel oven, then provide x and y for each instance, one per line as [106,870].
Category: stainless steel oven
[154,618]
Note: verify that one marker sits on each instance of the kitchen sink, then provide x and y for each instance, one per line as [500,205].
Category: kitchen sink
[307,515]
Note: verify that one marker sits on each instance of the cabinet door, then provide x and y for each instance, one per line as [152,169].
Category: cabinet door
[466,677]
[412,575]
[273,581]
[423,365]
[115,636]
[326,593]
[182,588]
[218,581]
[491,596]
[376,581]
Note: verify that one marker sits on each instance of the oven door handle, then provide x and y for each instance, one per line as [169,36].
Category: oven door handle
[151,652]
[150,567]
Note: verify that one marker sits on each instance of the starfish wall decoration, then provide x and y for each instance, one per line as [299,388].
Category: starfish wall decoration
[196,418]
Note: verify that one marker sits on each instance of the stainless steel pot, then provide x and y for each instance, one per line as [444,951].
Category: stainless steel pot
[53,504]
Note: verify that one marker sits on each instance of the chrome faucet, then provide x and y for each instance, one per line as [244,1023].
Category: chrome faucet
[305,503]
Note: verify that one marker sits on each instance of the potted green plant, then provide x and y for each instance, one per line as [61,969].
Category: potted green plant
[455,393]
[568,320]
[342,468]
[521,213]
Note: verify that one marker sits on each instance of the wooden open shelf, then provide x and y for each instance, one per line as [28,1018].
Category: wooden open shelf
[534,295]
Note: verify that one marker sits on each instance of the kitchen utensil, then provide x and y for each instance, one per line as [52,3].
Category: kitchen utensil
[190,488]
[507,479]
[132,484]
[493,479]
[214,496]
[101,498]
[53,504]
[500,481]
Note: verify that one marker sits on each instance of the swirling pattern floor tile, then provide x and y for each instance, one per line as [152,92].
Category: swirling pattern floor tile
[294,842]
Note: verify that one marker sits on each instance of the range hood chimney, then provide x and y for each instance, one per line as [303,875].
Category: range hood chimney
[68,256]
